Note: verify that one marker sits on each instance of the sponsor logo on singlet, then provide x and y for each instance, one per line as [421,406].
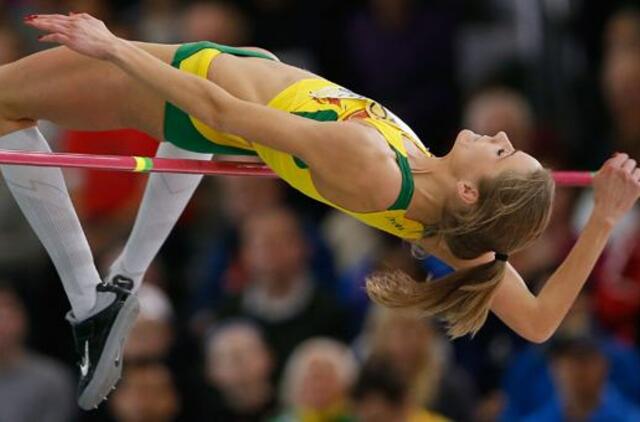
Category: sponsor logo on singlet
[394,222]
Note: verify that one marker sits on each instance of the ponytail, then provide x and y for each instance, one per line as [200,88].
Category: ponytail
[462,299]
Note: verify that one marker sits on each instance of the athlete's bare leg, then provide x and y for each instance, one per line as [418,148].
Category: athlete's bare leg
[77,92]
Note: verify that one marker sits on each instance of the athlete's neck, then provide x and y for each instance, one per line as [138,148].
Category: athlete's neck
[433,186]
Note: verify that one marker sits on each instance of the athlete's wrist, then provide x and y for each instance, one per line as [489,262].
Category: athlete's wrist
[602,221]
[117,50]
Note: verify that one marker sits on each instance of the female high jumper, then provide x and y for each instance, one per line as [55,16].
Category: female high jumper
[472,208]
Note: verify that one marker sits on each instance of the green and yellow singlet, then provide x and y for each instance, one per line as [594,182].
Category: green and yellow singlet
[316,99]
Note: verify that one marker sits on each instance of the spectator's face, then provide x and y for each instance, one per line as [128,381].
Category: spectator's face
[149,339]
[581,377]
[146,394]
[320,385]
[97,8]
[406,341]
[237,360]
[13,324]
[392,13]
[243,197]
[215,22]
[622,34]
[273,246]
[495,112]
[622,91]
[9,46]
[375,408]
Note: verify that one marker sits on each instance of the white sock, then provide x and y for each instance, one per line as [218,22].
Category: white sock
[44,200]
[165,198]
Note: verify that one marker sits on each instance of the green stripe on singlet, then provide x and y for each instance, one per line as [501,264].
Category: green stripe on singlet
[407,188]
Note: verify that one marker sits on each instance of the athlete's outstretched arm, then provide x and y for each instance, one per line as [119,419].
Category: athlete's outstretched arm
[536,318]
[197,96]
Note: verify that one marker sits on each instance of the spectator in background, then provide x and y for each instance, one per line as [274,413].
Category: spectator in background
[32,387]
[622,32]
[417,79]
[11,48]
[529,381]
[617,287]
[217,21]
[99,8]
[317,381]
[157,21]
[498,109]
[417,351]
[219,270]
[239,367]
[579,370]
[282,296]
[622,94]
[152,334]
[381,394]
[145,394]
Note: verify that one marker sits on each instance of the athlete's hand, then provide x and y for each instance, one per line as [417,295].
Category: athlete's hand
[616,187]
[80,32]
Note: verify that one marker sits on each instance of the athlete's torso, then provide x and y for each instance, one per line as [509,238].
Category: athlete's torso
[296,91]
[323,100]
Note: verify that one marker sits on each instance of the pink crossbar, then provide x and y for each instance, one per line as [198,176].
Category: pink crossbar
[169,165]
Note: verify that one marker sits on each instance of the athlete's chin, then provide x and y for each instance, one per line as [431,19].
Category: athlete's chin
[465,138]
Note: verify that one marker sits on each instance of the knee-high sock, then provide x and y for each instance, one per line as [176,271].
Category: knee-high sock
[165,197]
[44,200]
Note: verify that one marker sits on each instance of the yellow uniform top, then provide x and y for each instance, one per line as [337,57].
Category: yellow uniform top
[317,99]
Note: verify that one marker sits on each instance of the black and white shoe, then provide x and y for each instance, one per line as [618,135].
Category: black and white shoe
[99,340]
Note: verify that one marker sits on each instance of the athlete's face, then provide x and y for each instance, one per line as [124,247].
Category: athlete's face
[475,156]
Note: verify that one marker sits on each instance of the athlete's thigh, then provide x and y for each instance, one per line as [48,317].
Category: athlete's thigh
[81,93]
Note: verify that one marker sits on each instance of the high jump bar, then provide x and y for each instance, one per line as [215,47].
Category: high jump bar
[138,164]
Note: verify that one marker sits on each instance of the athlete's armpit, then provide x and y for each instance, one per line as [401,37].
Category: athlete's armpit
[348,157]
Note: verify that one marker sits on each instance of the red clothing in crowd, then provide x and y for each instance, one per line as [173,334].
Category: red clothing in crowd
[617,291]
[102,194]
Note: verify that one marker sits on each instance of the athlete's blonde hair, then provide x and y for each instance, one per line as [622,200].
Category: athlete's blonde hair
[513,210]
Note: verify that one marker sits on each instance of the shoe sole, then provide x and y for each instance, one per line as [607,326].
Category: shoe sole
[107,373]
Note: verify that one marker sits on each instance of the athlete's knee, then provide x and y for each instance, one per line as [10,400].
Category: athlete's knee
[9,126]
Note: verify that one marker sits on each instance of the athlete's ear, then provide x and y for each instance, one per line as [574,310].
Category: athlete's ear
[467,192]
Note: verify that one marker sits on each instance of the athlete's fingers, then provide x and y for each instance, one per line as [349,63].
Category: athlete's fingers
[50,25]
[48,18]
[629,165]
[617,160]
[55,38]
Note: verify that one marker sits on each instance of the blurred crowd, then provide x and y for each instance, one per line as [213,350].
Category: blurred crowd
[255,309]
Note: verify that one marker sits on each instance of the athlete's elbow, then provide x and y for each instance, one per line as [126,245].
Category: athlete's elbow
[538,333]
[540,337]
[218,112]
